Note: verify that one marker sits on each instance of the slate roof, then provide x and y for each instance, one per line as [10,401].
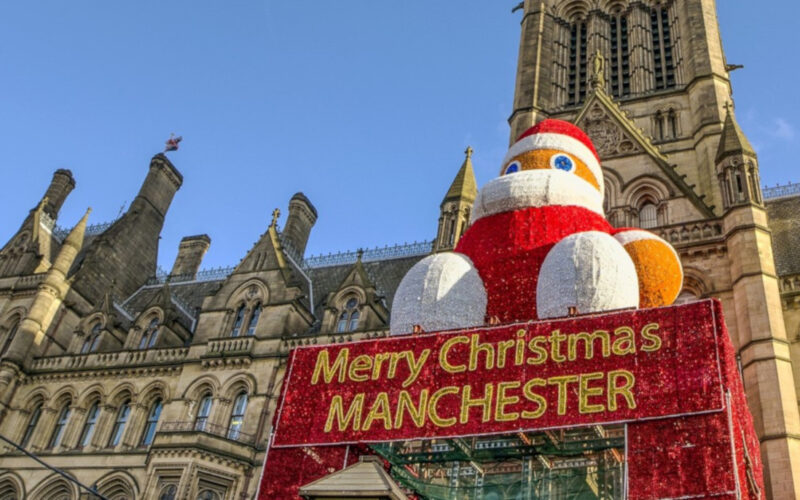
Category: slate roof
[784,221]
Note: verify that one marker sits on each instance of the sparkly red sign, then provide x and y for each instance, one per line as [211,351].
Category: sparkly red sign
[620,367]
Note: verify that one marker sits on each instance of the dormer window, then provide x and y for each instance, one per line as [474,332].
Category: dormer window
[92,340]
[237,323]
[348,319]
[150,335]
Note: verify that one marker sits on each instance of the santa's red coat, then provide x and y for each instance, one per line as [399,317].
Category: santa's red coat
[508,250]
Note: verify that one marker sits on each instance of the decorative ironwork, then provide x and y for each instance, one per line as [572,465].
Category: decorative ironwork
[208,428]
[778,191]
[92,230]
[213,274]
[373,254]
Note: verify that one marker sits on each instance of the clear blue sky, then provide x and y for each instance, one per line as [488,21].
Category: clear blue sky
[364,105]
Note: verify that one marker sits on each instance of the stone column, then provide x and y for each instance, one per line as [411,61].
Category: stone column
[760,337]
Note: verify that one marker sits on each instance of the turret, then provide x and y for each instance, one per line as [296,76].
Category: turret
[737,166]
[456,206]
[302,217]
[159,187]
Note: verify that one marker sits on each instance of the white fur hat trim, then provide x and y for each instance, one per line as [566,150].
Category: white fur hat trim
[535,188]
[559,142]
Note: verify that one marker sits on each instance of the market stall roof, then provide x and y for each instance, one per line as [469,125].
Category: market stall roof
[364,479]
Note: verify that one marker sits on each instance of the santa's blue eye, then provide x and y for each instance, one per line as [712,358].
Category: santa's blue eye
[562,162]
[512,167]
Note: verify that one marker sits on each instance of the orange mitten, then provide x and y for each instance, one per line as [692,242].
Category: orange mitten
[657,266]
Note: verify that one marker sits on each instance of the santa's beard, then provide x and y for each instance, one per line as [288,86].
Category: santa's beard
[536,188]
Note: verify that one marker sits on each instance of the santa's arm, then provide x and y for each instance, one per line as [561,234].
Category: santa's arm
[657,266]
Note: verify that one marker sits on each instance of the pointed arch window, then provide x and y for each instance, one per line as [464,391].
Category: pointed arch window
[663,59]
[237,416]
[152,422]
[150,335]
[348,319]
[35,414]
[251,325]
[12,332]
[237,323]
[203,412]
[119,424]
[61,424]
[577,63]
[88,427]
[620,57]
[169,493]
[92,340]
[648,216]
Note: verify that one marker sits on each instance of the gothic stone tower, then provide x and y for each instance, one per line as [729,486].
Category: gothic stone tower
[649,82]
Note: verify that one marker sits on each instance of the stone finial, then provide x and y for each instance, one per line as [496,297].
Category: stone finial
[275,214]
[598,71]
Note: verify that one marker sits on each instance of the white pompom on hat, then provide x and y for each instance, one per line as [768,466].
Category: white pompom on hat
[443,291]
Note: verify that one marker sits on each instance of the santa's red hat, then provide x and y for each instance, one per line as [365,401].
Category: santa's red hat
[561,136]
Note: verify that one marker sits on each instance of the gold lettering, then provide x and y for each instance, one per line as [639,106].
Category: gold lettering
[329,371]
[562,382]
[417,414]
[556,337]
[585,392]
[433,413]
[445,364]
[476,348]
[484,403]
[540,400]
[376,366]
[504,400]
[502,348]
[653,339]
[379,411]
[336,412]
[625,390]
[588,343]
[360,364]
[625,342]
[519,350]
[415,366]
[539,352]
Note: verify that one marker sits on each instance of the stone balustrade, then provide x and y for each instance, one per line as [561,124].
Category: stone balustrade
[119,359]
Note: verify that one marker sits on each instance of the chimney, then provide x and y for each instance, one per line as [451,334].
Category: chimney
[62,184]
[160,185]
[190,255]
[302,216]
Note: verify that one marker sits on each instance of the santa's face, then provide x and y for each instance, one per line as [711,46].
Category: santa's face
[550,159]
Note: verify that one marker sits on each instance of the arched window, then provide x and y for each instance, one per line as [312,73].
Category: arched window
[237,323]
[92,340]
[620,57]
[577,63]
[152,423]
[648,216]
[251,325]
[237,416]
[119,424]
[661,133]
[203,411]
[348,319]
[12,332]
[168,493]
[207,495]
[672,118]
[88,427]
[61,424]
[35,414]
[664,63]
[150,335]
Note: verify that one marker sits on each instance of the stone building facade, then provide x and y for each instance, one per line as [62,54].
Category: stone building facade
[146,384]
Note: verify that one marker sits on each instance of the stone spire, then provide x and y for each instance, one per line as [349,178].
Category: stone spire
[456,206]
[464,186]
[733,141]
[71,246]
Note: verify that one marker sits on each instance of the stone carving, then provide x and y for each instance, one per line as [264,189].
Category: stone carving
[608,138]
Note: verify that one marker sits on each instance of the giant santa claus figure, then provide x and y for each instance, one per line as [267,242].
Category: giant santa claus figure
[539,247]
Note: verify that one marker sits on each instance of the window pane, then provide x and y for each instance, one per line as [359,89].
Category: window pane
[152,423]
[61,423]
[37,412]
[119,424]
[202,413]
[648,216]
[237,416]
[88,427]
[354,321]
[237,323]
[251,327]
